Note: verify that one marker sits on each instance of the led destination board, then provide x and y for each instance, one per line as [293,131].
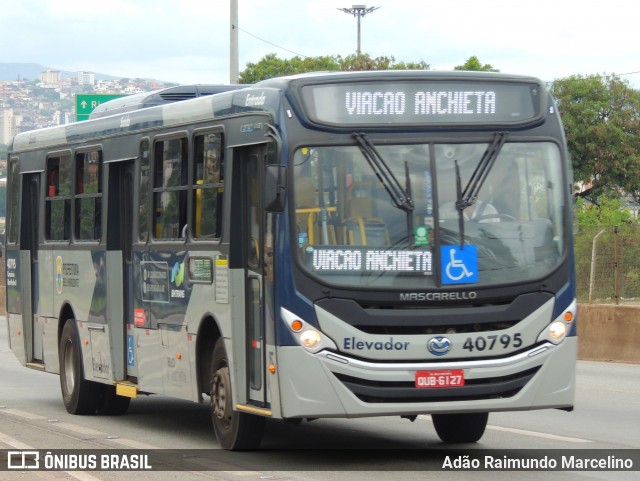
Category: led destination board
[349,259]
[422,102]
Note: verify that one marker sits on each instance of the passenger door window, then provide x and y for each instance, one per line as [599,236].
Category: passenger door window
[208,185]
[88,196]
[170,188]
[58,203]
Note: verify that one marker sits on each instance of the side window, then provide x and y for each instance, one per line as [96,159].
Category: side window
[170,188]
[208,186]
[14,200]
[143,216]
[58,202]
[88,195]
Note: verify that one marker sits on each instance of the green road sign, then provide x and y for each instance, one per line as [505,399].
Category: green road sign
[85,103]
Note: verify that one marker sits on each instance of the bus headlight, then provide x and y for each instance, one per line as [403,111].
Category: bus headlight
[557,331]
[305,334]
[310,338]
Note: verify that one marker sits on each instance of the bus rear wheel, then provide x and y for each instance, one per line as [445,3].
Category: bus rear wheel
[460,428]
[79,395]
[235,430]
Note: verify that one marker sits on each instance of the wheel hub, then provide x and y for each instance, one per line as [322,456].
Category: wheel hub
[220,394]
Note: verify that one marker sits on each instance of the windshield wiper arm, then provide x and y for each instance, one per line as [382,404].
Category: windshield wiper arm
[398,194]
[467,197]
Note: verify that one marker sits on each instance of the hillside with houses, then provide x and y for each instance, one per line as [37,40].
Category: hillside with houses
[48,99]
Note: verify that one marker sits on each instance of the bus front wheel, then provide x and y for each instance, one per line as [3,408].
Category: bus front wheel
[234,429]
[460,428]
[79,395]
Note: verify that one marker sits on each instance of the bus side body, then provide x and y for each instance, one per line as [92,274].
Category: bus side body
[96,237]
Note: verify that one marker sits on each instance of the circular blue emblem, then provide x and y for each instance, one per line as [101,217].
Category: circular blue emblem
[439,346]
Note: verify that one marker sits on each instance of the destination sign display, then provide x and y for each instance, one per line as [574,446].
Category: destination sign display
[352,259]
[422,102]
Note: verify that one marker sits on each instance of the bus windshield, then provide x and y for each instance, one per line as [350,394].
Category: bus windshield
[351,231]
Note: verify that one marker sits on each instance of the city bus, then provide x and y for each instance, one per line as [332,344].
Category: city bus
[328,245]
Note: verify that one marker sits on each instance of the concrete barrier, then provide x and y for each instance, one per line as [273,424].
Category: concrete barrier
[609,333]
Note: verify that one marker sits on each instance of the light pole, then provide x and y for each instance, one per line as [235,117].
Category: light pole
[233,43]
[358,11]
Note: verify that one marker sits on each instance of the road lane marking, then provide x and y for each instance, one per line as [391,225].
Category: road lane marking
[537,434]
[13,442]
[22,414]
[76,428]
[17,444]
[130,443]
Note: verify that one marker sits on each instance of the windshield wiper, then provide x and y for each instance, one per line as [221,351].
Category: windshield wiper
[468,197]
[400,197]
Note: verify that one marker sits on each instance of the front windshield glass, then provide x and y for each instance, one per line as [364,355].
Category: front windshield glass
[349,232]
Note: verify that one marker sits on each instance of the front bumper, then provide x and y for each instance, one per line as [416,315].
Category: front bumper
[327,384]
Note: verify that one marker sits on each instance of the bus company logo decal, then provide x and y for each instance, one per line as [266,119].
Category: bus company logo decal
[177,274]
[355,344]
[125,121]
[255,100]
[59,281]
[439,346]
[438,296]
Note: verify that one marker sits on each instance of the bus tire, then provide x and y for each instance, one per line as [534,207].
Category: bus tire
[235,430]
[112,404]
[79,395]
[460,428]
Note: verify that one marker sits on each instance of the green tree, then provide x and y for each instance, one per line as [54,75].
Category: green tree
[609,211]
[366,62]
[601,116]
[271,66]
[473,64]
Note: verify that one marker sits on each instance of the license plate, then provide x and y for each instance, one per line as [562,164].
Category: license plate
[440,379]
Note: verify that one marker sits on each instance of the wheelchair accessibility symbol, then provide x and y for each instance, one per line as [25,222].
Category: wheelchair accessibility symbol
[131,356]
[459,264]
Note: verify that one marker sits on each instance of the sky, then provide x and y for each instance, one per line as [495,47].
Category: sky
[187,41]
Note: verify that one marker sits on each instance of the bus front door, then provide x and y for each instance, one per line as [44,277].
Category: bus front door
[257,246]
